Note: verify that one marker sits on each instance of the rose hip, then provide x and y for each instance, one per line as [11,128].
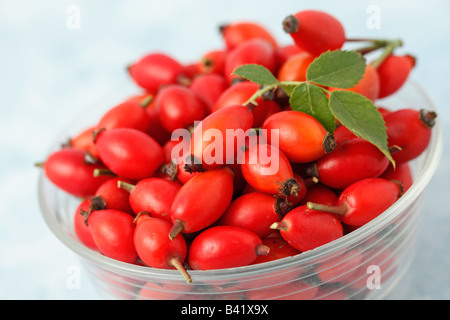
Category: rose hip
[222,247]
[69,170]
[306,229]
[301,137]
[129,153]
[113,233]
[156,250]
[315,31]
[201,201]
[363,200]
[410,130]
[268,170]
[155,70]
[350,161]
[153,195]
[256,212]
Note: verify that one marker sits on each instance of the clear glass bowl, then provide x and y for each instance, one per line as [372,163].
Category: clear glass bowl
[364,264]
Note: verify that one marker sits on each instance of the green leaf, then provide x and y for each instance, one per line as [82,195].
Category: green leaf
[310,99]
[361,117]
[256,73]
[338,69]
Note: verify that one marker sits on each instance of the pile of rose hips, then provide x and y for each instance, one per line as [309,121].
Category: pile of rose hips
[140,204]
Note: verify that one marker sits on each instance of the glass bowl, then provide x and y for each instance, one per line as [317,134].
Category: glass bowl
[364,264]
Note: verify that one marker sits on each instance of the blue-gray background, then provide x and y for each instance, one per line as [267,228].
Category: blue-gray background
[50,73]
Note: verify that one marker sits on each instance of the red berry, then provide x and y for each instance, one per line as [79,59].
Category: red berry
[294,68]
[113,233]
[69,170]
[320,193]
[238,32]
[202,200]
[253,51]
[129,153]
[393,73]
[222,247]
[301,137]
[279,249]
[155,129]
[83,141]
[402,173]
[153,195]
[209,87]
[410,130]
[241,92]
[213,62]
[156,250]
[155,70]
[350,161]
[128,114]
[218,138]
[268,170]
[287,51]
[82,230]
[113,196]
[363,200]
[178,107]
[255,211]
[306,229]
[315,31]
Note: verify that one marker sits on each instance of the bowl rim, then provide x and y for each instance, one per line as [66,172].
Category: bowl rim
[431,161]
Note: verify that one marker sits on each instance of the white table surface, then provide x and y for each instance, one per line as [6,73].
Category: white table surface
[50,72]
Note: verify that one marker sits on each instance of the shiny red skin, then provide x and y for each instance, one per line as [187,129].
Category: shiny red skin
[155,70]
[254,211]
[155,128]
[294,68]
[113,196]
[366,199]
[306,229]
[68,170]
[178,107]
[129,153]
[350,161]
[318,32]
[203,199]
[83,141]
[208,87]
[241,31]
[153,246]
[253,51]
[241,92]
[154,195]
[393,73]
[320,193]
[222,247]
[113,233]
[300,136]
[82,230]
[406,130]
[279,249]
[213,62]
[238,119]
[402,173]
[262,176]
[128,114]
